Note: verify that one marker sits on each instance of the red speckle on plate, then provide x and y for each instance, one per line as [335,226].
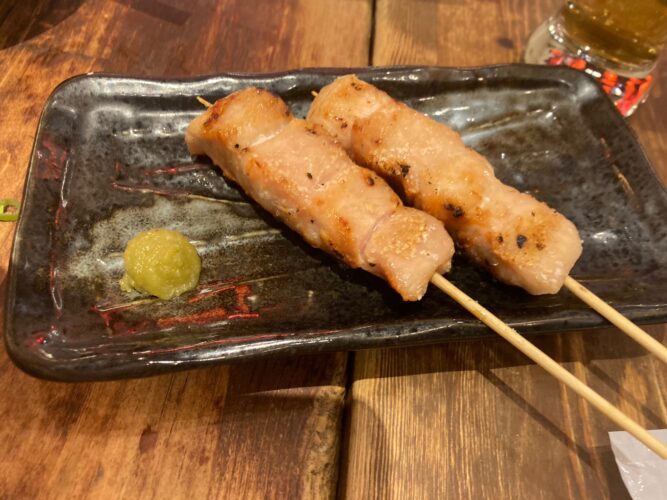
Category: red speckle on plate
[209,292]
[202,318]
[59,217]
[175,169]
[240,310]
[51,164]
[242,292]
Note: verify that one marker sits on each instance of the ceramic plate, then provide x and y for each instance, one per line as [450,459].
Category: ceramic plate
[109,161]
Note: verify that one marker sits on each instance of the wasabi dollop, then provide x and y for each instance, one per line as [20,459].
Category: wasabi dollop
[160,262]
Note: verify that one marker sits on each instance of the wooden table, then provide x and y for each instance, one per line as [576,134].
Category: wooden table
[465,420]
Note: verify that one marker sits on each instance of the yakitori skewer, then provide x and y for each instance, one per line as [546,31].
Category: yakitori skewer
[520,240]
[311,185]
[249,135]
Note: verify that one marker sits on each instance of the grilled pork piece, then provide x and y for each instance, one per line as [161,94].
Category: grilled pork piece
[520,240]
[308,182]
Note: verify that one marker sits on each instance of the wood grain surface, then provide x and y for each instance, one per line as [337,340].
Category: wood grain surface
[477,419]
[267,429]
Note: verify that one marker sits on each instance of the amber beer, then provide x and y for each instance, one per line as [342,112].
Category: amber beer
[627,33]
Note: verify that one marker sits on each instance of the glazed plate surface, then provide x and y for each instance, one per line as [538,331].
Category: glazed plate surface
[110,161]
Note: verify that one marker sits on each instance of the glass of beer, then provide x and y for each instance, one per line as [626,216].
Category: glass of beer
[616,41]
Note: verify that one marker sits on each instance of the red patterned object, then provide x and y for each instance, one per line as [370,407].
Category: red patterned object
[626,92]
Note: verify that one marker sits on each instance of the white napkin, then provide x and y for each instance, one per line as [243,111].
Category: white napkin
[644,473]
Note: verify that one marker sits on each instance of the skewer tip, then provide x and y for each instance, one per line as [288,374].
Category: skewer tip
[204,101]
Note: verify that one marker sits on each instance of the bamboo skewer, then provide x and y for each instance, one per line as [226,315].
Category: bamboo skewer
[551,366]
[204,102]
[617,319]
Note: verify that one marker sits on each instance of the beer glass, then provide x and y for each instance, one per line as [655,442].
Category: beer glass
[615,41]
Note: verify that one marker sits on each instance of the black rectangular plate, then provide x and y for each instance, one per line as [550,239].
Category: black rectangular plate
[109,161]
